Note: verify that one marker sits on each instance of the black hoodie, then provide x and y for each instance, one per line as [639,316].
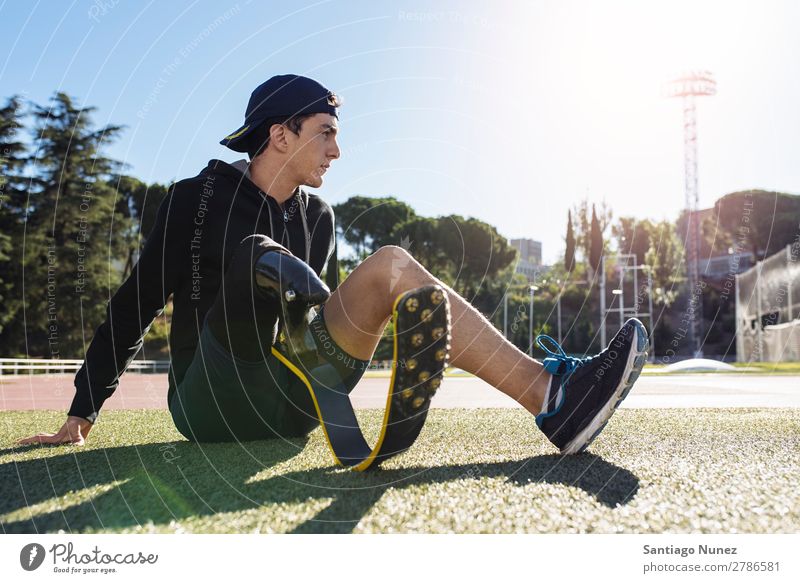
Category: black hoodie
[198,228]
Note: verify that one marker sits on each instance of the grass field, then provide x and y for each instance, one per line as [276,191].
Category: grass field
[771,367]
[731,470]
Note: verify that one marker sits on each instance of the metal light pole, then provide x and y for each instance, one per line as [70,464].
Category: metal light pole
[635,311]
[532,289]
[603,301]
[618,292]
[505,315]
[789,260]
[621,296]
[688,87]
[558,309]
[652,326]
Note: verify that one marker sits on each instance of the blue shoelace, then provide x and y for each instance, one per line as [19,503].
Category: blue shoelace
[552,363]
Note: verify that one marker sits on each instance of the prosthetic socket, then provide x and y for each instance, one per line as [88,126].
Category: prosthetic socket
[294,284]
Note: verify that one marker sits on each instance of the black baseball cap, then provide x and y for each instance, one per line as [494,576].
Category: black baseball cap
[282,96]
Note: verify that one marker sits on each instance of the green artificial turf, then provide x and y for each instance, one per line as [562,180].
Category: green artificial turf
[771,367]
[726,470]
[759,368]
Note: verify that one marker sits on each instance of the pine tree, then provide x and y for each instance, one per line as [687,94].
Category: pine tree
[569,255]
[596,252]
[13,192]
[73,248]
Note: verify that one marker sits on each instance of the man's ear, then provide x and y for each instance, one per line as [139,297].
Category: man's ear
[278,137]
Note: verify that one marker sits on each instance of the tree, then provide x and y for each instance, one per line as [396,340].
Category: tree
[13,192]
[72,256]
[138,202]
[419,236]
[633,236]
[665,259]
[764,221]
[367,223]
[569,254]
[583,223]
[597,245]
[475,250]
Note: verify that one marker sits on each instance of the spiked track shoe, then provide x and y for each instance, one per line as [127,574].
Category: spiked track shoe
[421,320]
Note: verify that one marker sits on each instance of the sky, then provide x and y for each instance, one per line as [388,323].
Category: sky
[510,112]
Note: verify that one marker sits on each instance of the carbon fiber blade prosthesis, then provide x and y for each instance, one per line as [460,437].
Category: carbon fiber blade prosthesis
[421,320]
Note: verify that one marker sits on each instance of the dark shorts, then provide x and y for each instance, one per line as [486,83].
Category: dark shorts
[224,398]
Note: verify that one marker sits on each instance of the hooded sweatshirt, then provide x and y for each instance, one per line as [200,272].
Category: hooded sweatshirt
[198,228]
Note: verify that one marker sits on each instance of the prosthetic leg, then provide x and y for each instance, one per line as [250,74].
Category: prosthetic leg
[421,319]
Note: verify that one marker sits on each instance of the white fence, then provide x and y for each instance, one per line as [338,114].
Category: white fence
[16,366]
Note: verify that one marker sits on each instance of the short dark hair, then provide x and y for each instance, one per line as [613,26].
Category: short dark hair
[259,137]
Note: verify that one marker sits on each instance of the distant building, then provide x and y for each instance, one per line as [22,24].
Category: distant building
[529,250]
[530,257]
[721,266]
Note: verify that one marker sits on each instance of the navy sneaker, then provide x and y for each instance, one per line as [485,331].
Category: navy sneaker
[585,392]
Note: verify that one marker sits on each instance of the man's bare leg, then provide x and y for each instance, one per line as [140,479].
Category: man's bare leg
[358,311]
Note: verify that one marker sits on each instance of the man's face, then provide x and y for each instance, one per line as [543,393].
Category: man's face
[312,151]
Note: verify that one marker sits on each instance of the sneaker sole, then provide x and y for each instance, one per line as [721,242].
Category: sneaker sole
[633,368]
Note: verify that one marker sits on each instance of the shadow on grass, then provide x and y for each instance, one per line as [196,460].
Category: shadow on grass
[163,482]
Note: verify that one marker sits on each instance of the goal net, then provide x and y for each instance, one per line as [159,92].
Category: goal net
[768,309]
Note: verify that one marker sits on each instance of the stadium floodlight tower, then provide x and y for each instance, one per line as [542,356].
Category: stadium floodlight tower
[690,86]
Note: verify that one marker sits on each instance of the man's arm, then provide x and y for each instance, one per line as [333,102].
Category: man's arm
[332,269]
[332,262]
[129,314]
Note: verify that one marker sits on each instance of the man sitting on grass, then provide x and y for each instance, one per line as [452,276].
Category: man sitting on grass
[241,248]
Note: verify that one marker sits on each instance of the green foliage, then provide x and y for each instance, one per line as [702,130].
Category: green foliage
[420,237]
[665,259]
[138,202]
[70,224]
[367,223]
[12,204]
[764,221]
[464,252]
[633,236]
[156,343]
[475,250]
[72,227]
